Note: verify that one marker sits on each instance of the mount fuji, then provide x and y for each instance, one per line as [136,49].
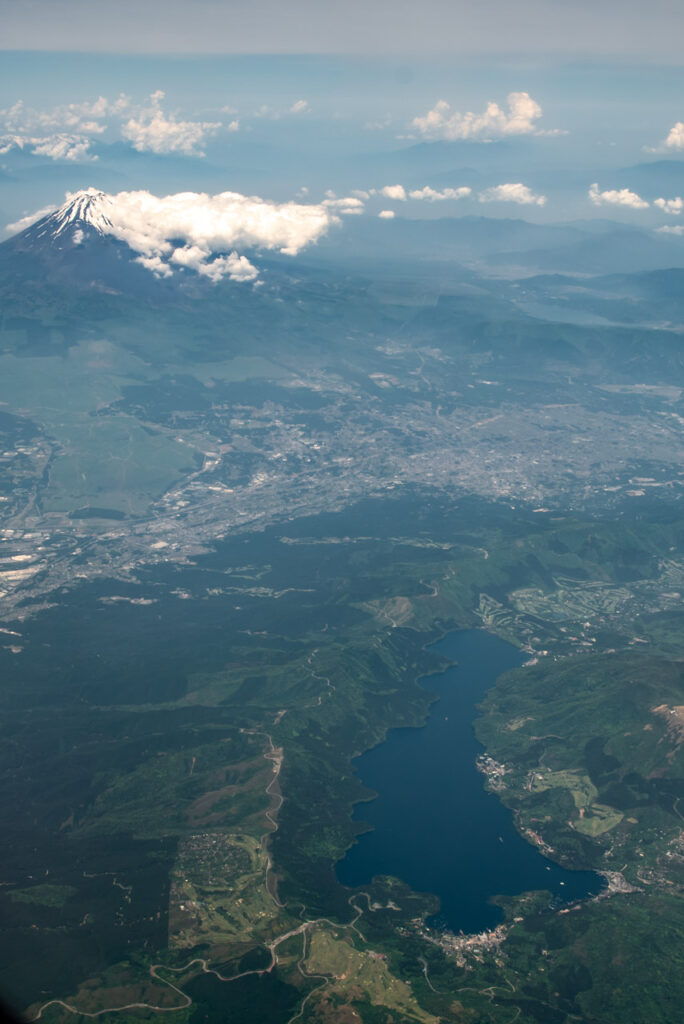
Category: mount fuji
[103,262]
[167,236]
[85,213]
[75,248]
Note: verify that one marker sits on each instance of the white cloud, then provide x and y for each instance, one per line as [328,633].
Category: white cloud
[215,223]
[616,197]
[234,266]
[190,256]
[675,138]
[673,206]
[669,229]
[151,130]
[387,214]
[74,118]
[8,142]
[65,132]
[347,205]
[205,232]
[28,220]
[433,196]
[394,192]
[494,123]
[63,147]
[156,265]
[238,268]
[361,193]
[56,147]
[300,107]
[512,192]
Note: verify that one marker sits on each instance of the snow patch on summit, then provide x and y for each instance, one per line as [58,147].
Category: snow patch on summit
[89,206]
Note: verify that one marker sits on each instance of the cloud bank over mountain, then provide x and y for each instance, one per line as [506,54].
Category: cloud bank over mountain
[196,230]
[66,132]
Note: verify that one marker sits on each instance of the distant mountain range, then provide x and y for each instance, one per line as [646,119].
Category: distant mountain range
[665,176]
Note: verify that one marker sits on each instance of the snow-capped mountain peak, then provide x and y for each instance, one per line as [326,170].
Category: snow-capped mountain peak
[87,207]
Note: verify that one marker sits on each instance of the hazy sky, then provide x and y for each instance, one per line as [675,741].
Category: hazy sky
[544,109]
[621,28]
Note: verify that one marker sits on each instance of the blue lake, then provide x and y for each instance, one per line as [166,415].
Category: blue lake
[434,824]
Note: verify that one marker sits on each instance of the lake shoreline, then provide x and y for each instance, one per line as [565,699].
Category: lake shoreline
[468,833]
